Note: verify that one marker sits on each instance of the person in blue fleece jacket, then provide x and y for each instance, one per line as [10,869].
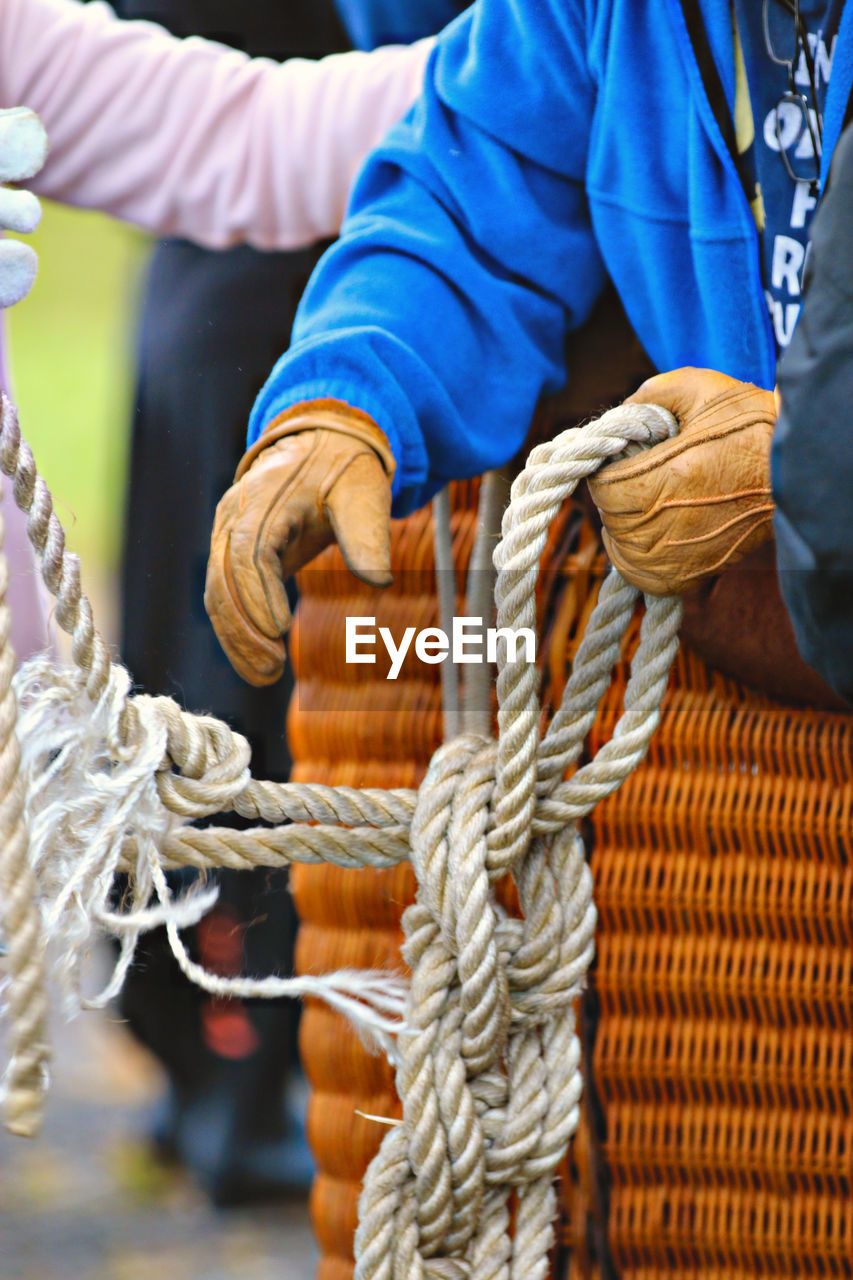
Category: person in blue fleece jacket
[675,147]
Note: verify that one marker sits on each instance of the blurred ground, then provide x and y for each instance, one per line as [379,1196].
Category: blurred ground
[86,1199]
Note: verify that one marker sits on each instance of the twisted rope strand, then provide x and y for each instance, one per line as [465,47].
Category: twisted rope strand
[26,992]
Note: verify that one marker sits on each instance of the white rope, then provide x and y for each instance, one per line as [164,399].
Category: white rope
[489,1070]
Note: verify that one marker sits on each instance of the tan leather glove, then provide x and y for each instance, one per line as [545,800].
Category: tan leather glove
[320,472]
[687,508]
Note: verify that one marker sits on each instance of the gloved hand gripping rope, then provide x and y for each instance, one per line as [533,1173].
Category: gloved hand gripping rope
[488,1061]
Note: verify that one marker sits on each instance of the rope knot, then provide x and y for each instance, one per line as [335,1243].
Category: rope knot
[92,777]
[206,766]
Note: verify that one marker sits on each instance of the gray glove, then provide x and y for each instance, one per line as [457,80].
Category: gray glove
[23,149]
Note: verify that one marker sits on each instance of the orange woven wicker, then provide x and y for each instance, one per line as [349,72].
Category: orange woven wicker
[349,725]
[717,1137]
[723,1053]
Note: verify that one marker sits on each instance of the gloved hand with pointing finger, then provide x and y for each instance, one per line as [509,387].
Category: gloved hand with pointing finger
[320,473]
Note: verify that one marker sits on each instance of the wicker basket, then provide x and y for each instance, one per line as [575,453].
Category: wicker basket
[718,1033]
[717,1134]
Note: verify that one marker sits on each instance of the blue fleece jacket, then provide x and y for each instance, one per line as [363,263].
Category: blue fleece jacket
[373,22]
[556,142]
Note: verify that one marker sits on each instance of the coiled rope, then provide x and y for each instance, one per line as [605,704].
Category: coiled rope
[488,1067]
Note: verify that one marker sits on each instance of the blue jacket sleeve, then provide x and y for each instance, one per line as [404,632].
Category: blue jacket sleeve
[373,22]
[466,255]
[812,459]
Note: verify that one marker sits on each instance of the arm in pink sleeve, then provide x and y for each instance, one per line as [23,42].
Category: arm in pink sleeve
[190,138]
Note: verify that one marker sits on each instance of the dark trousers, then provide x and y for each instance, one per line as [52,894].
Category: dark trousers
[212,326]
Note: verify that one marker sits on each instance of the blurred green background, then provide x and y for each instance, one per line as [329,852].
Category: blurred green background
[71,357]
[87,1200]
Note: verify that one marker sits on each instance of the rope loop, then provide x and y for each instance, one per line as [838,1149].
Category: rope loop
[206,766]
[489,1075]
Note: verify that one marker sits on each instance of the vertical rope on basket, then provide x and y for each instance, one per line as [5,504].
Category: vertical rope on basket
[445,587]
[480,597]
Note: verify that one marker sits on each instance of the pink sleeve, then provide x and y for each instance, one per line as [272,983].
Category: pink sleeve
[190,138]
